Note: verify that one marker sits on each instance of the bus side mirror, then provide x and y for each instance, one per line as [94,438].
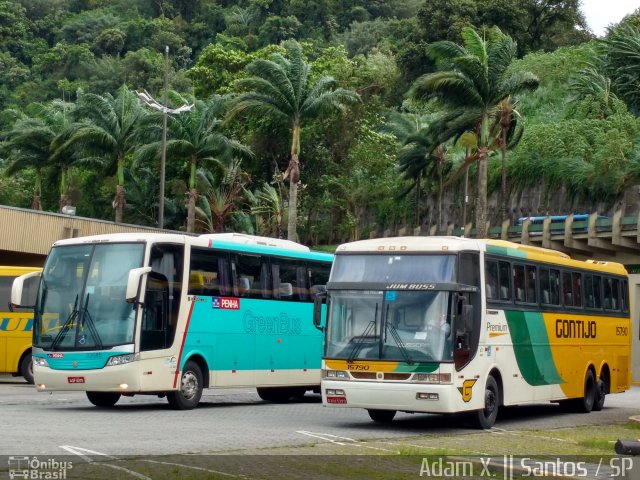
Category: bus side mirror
[467,317]
[133,283]
[318,300]
[17,291]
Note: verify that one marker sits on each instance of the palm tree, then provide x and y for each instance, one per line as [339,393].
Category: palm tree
[622,49]
[508,132]
[472,81]
[109,132]
[35,142]
[589,82]
[142,198]
[281,89]
[266,204]
[419,155]
[195,135]
[402,125]
[223,195]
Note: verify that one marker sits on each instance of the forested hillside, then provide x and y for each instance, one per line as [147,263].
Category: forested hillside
[319,120]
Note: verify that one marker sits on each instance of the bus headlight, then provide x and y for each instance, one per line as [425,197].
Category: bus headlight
[432,377]
[336,374]
[40,362]
[121,359]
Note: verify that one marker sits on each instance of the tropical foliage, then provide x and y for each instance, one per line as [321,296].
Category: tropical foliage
[315,120]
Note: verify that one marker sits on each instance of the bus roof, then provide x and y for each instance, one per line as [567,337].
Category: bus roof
[395,245]
[529,252]
[410,244]
[231,241]
[256,240]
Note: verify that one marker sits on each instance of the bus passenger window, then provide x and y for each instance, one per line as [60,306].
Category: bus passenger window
[611,291]
[288,280]
[253,276]
[577,289]
[567,295]
[491,280]
[318,278]
[208,273]
[519,283]
[530,285]
[505,280]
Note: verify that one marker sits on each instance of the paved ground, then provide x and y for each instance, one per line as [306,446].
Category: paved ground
[234,420]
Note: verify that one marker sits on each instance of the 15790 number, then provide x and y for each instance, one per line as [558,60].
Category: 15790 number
[622,331]
[355,366]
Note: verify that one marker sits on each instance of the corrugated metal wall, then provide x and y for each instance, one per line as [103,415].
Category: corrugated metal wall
[33,232]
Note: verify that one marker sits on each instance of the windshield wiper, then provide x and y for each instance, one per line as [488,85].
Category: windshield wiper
[67,324]
[90,324]
[397,339]
[367,331]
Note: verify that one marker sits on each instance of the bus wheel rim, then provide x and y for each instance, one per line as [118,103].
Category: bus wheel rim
[189,385]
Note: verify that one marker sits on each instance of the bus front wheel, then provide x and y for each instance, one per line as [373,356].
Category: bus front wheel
[486,417]
[103,399]
[191,385]
[381,416]
[26,368]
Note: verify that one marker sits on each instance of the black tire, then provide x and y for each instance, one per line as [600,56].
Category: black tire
[601,393]
[486,418]
[276,394]
[191,386]
[382,416]
[586,403]
[298,393]
[26,368]
[103,399]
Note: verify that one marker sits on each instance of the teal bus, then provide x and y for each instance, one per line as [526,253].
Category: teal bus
[170,314]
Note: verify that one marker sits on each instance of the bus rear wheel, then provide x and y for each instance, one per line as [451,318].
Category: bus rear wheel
[486,418]
[26,368]
[191,385]
[103,399]
[381,416]
[601,393]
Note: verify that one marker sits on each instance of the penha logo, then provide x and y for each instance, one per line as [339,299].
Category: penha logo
[225,303]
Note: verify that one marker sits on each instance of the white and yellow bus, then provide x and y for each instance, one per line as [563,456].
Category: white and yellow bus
[454,325]
[16,326]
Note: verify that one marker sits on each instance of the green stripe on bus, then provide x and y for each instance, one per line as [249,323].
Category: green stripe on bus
[509,252]
[419,368]
[531,346]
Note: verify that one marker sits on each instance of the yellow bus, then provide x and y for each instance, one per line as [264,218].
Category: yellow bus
[454,325]
[16,326]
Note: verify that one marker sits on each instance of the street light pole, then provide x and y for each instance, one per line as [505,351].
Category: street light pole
[163,155]
[164,108]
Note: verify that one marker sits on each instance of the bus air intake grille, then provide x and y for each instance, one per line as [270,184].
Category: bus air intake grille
[397,376]
[364,375]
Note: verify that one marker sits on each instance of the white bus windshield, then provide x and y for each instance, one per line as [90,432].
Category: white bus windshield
[394,268]
[81,302]
[392,325]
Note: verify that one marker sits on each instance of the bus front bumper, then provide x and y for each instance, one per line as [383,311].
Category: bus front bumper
[118,378]
[407,397]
